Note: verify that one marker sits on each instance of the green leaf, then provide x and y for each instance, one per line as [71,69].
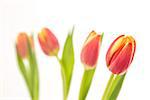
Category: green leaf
[86,83]
[24,72]
[34,78]
[113,87]
[67,63]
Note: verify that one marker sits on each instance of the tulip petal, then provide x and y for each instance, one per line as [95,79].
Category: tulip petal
[90,37]
[51,40]
[119,42]
[44,45]
[22,46]
[121,62]
[133,46]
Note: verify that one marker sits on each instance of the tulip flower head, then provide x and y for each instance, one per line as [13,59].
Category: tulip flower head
[48,42]
[22,44]
[120,54]
[90,51]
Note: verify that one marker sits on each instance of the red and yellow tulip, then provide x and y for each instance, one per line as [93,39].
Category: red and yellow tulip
[50,47]
[89,57]
[48,42]
[90,51]
[120,54]
[118,58]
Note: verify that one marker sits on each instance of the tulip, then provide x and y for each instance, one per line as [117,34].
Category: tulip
[27,63]
[48,42]
[118,59]
[90,51]
[89,57]
[120,54]
[50,47]
[22,44]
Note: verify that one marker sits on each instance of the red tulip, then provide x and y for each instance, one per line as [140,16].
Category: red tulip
[22,44]
[48,42]
[120,54]
[90,51]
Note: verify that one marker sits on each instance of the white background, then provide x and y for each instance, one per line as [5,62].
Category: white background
[114,17]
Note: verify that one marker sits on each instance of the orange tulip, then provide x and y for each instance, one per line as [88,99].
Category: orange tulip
[22,44]
[120,54]
[90,51]
[48,42]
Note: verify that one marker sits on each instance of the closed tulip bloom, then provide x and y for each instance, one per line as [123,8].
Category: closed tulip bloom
[22,44]
[48,42]
[120,54]
[90,51]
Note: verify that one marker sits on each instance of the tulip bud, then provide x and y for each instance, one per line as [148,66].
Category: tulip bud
[48,42]
[120,54]
[90,51]
[22,44]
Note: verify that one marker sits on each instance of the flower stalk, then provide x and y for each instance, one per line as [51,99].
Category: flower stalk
[113,87]
[65,94]
[86,82]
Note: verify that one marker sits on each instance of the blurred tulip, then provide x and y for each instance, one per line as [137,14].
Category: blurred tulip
[48,42]
[90,51]
[22,44]
[120,54]
[27,63]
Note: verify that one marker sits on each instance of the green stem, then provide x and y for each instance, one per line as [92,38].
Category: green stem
[63,79]
[108,88]
[34,75]
[86,83]
[34,97]
[113,87]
